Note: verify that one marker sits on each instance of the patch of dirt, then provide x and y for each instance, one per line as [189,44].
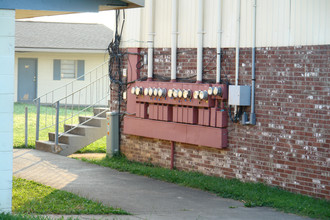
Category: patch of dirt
[89,155]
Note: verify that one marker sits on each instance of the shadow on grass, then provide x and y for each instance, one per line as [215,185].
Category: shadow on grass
[33,198]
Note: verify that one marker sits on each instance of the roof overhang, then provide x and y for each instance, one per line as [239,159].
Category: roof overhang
[36,8]
[58,50]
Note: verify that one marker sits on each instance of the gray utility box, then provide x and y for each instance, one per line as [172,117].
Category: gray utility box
[112,133]
[239,95]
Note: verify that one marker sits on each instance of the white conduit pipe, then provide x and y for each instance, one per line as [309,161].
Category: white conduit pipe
[174,40]
[150,40]
[238,25]
[252,114]
[218,77]
[200,42]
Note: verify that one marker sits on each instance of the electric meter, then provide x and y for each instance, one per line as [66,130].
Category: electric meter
[170,93]
[210,91]
[217,91]
[138,90]
[175,93]
[203,95]
[196,94]
[187,94]
[161,92]
[133,90]
[151,91]
[180,93]
[146,91]
[156,91]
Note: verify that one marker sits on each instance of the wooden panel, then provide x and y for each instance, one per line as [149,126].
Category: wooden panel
[184,133]
[222,119]
[141,110]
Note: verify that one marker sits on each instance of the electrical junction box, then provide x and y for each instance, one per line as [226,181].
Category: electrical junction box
[239,95]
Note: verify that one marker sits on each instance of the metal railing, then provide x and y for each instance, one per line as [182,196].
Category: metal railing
[76,98]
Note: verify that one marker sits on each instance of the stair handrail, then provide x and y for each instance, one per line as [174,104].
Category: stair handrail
[55,105]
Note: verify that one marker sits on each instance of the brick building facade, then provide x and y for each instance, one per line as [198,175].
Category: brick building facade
[289,145]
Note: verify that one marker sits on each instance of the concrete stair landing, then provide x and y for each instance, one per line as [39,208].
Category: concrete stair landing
[79,137]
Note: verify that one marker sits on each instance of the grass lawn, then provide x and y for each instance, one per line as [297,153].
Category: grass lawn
[33,198]
[252,194]
[19,126]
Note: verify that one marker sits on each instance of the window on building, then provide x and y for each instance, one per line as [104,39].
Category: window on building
[69,69]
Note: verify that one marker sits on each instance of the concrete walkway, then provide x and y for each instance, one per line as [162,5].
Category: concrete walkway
[145,198]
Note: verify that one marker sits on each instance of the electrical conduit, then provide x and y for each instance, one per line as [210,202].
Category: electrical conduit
[252,114]
[174,41]
[150,39]
[200,42]
[218,77]
[238,27]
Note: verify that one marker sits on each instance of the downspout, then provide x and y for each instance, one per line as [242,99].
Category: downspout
[218,77]
[150,40]
[252,114]
[238,27]
[200,43]
[174,40]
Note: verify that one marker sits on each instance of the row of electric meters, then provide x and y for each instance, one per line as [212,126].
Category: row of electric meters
[177,93]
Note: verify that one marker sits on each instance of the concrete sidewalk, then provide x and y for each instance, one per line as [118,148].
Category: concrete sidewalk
[145,198]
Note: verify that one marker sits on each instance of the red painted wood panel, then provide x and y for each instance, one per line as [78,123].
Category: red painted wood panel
[184,133]
[141,110]
[204,116]
[132,74]
[222,119]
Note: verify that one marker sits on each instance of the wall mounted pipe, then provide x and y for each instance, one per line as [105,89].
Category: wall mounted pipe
[150,39]
[254,14]
[238,35]
[199,77]
[174,40]
[218,77]
[172,154]
[238,27]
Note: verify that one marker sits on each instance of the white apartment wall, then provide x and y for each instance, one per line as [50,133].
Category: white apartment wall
[279,23]
[45,75]
[7,46]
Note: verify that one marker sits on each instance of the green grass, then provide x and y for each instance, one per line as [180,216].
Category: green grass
[46,118]
[33,198]
[252,194]
[7,216]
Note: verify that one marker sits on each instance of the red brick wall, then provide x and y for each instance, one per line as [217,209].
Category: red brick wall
[289,146]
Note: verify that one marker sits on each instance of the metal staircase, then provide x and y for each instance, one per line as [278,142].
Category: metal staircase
[78,118]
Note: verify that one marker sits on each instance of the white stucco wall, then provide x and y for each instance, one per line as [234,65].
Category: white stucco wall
[45,82]
[7,45]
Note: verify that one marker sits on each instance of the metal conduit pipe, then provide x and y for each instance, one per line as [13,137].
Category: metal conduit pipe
[174,41]
[238,27]
[200,42]
[252,114]
[218,77]
[150,39]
